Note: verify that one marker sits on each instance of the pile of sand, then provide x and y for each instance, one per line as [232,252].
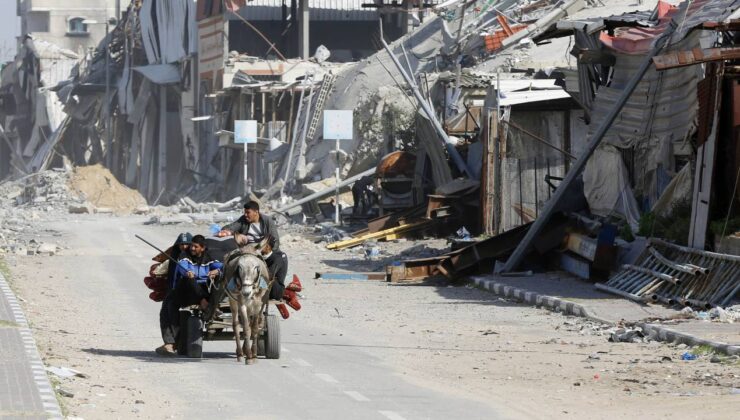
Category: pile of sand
[99,187]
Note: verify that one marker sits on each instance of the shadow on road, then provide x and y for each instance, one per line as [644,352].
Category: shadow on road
[150,356]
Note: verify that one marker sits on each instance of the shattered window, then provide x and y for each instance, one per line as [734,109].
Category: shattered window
[77,26]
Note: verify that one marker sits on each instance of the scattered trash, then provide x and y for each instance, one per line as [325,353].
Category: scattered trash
[64,393]
[623,335]
[688,356]
[463,234]
[64,372]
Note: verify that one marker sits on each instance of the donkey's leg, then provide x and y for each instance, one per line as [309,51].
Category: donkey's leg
[255,333]
[243,314]
[235,324]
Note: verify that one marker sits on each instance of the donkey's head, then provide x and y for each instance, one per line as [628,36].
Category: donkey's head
[250,270]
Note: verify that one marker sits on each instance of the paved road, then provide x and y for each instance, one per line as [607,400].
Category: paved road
[25,391]
[318,377]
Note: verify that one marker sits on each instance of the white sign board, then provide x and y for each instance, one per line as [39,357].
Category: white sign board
[338,125]
[245,131]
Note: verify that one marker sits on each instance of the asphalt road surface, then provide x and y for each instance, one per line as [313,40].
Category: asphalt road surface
[319,375]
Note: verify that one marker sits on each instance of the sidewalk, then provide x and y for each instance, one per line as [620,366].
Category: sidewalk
[25,391]
[564,293]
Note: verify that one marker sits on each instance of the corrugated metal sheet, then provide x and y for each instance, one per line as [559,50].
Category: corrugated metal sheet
[319,10]
[688,15]
[661,110]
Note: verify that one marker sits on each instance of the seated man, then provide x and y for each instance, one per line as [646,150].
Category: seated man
[254,225]
[277,264]
[193,273]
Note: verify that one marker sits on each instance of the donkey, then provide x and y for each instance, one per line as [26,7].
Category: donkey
[247,286]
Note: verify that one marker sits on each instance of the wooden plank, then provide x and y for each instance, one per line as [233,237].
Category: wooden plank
[383,233]
[352,276]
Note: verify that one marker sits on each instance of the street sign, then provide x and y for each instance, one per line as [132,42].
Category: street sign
[338,125]
[245,131]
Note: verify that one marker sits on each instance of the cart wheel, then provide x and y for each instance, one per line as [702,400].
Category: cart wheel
[261,345]
[272,337]
[194,338]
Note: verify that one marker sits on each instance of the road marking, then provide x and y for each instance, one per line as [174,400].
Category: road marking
[302,362]
[327,378]
[391,415]
[357,396]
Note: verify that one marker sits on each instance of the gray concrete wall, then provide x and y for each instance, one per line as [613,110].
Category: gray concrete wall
[49,20]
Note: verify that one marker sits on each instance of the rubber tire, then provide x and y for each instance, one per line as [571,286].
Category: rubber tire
[272,337]
[194,337]
[182,335]
[261,345]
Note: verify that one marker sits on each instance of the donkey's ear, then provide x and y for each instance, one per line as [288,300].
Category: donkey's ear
[263,243]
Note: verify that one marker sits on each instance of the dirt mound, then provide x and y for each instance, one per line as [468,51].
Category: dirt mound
[99,187]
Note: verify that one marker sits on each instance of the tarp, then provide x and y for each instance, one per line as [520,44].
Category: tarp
[161,74]
[606,186]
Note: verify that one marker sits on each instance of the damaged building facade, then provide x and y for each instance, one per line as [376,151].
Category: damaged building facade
[486,107]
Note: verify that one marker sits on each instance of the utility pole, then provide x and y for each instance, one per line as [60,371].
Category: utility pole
[108,140]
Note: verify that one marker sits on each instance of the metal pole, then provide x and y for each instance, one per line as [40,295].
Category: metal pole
[580,164]
[459,162]
[108,140]
[324,193]
[118,9]
[246,173]
[336,184]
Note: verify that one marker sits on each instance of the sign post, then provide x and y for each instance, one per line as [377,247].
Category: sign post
[245,132]
[337,126]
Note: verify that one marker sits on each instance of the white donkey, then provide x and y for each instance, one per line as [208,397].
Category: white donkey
[247,286]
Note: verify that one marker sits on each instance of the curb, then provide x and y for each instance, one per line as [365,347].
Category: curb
[45,390]
[659,333]
[552,303]
[655,332]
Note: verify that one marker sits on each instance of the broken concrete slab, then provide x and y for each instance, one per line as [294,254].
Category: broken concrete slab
[47,248]
[85,208]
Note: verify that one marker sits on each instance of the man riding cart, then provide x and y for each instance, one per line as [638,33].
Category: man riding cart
[199,284]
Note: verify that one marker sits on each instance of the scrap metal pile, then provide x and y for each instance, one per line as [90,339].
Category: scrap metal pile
[673,274]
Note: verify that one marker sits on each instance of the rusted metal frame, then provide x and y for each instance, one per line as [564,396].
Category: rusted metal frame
[726,280]
[672,264]
[705,284]
[694,251]
[653,281]
[730,295]
[729,286]
[618,292]
[678,59]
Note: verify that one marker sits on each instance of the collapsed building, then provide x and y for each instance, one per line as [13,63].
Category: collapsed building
[519,120]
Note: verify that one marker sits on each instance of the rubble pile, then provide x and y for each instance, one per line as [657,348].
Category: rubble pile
[102,191]
[41,195]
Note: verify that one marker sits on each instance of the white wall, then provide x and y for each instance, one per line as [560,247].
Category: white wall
[49,20]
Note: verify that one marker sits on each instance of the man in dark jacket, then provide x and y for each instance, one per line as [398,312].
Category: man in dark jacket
[169,314]
[255,225]
[193,272]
